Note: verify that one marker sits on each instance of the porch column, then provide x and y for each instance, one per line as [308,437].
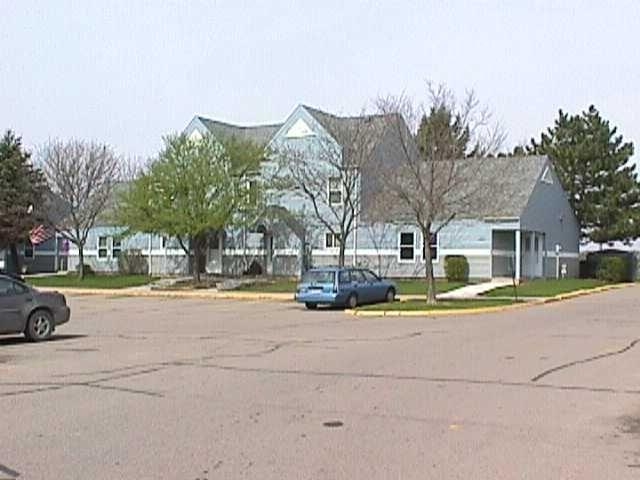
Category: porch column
[533,264]
[518,255]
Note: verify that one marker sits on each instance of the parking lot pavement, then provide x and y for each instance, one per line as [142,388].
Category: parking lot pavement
[192,389]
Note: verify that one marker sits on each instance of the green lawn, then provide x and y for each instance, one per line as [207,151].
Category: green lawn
[405,287]
[92,281]
[547,288]
[412,305]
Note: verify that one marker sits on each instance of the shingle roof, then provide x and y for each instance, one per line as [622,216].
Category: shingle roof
[257,133]
[342,128]
[509,184]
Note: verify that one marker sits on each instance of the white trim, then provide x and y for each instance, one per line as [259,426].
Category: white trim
[503,253]
[406,260]
[240,252]
[285,251]
[563,254]
[98,248]
[547,177]
[341,202]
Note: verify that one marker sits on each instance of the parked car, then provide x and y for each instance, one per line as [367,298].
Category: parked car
[343,286]
[24,309]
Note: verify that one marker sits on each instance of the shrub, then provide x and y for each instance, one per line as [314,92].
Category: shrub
[612,269]
[87,270]
[132,262]
[456,268]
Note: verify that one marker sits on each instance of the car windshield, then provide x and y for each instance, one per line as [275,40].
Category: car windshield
[318,276]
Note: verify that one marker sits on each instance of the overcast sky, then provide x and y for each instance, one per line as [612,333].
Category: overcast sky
[128,72]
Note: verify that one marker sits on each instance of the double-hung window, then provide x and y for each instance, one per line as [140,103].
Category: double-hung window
[116,247]
[103,247]
[407,246]
[332,240]
[433,244]
[335,191]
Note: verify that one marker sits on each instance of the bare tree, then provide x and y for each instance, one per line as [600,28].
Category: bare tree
[329,173]
[438,149]
[83,175]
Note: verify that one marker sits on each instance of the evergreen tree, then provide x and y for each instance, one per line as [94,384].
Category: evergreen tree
[592,161]
[22,189]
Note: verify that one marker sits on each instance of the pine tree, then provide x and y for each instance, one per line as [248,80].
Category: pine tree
[592,161]
[21,193]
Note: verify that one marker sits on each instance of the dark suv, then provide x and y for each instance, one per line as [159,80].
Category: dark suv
[26,310]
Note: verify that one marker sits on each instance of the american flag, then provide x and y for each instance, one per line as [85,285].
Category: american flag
[40,234]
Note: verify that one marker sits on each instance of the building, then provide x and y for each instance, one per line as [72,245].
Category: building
[525,229]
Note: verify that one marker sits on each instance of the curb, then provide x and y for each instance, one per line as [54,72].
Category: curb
[248,296]
[481,310]
[286,297]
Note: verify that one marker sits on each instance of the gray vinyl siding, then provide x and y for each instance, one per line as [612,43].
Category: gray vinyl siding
[549,211]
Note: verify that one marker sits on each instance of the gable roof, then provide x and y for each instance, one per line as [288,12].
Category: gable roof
[509,184]
[260,134]
[342,128]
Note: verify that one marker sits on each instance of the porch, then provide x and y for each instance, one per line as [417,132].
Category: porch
[518,253]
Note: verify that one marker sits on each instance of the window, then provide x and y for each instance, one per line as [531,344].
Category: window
[28,250]
[407,246]
[335,191]
[344,277]
[116,247]
[6,286]
[332,240]
[252,191]
[318,276]
[433,243]
[370,276]
[102,247]
[357,276]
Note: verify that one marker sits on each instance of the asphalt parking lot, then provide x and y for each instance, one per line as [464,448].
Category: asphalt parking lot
[193,389]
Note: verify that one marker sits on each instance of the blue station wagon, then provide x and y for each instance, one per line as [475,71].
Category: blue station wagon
[343,286]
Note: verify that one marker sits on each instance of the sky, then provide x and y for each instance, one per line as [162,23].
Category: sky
[128,72]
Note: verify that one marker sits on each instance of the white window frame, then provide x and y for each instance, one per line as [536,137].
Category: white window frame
[339,190]
[401,246]
[437,245]
[115,248]
[105,248]
[335,244]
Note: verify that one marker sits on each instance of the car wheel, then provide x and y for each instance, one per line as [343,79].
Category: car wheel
[352,301]
[391,295]
[39,326]
[311,306]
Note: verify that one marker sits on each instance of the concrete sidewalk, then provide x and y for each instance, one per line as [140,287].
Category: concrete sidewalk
[472,291]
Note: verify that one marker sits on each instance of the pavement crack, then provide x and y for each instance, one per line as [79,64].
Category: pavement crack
[416,378]
[585,360]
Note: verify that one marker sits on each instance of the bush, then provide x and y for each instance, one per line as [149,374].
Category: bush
[87,270]
[612,269]
[456,268]
[132,262]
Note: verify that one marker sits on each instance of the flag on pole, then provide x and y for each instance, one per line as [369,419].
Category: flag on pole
[40,234]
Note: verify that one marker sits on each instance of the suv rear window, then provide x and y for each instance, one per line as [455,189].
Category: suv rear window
[318,277]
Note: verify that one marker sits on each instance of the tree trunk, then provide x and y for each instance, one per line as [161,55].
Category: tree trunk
[196,259]
[14,260]
[341,255]
[428,267]
[81,262]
